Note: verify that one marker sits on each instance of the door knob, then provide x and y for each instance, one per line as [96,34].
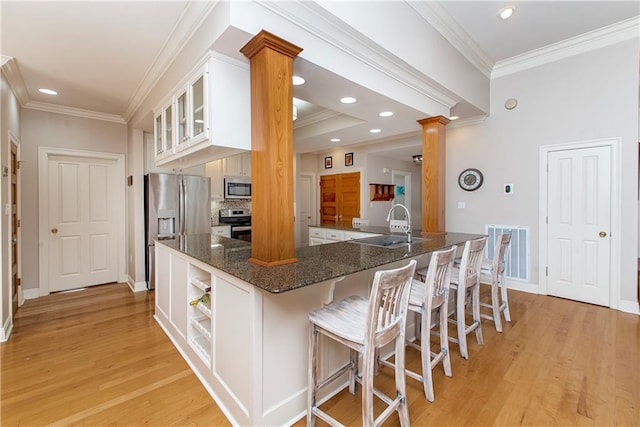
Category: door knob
[602,234]
[54,230]
[14,240]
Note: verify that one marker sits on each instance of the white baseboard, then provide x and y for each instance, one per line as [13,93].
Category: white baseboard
[137,286]
[531,288]
[629,306]
[5,332]
[32,293]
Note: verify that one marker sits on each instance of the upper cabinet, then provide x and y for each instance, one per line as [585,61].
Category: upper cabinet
[238,165]
[207,116]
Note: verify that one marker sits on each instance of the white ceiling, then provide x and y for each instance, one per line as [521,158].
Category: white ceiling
[101,56]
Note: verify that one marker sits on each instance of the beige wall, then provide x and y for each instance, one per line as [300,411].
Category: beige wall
[9,123]
[44,129]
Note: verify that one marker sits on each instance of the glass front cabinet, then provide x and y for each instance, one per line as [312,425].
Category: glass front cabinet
[183,123]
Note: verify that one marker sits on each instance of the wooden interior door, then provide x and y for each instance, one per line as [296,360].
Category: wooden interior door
[15,280]
[339,198]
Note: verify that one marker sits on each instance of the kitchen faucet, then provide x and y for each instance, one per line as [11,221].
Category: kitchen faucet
[406,228]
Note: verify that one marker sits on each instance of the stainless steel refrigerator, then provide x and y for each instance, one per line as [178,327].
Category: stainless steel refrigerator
[174,205]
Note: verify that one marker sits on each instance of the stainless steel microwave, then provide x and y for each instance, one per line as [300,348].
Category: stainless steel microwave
[237,187]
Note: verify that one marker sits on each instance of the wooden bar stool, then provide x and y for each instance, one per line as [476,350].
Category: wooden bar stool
[364,326]
[428,296]
[492,274]
[465,280]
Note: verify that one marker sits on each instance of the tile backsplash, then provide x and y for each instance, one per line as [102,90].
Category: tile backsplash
[227,204]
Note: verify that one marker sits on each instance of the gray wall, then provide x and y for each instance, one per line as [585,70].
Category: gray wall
[44,129]
[589,96]
[9,122]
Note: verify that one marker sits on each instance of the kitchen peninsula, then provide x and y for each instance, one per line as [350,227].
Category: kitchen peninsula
[243,328]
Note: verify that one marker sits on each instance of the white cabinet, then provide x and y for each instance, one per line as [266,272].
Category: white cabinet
[321,236]
[238,165]
[163,125]
[221,230]
[214,171]
[207,116]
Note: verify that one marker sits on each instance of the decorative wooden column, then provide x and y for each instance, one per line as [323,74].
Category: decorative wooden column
[272,225]
[433,173]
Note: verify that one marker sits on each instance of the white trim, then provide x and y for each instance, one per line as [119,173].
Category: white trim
[4,59]
[318,22]
[616,171]
[629,306]
[6,329]
[596,39]
[14,78]
[471,121]
[136,286]
[32,293]
[43,209]
[192,17]
[532,288]
[13,140]
[443,22]
[72,111]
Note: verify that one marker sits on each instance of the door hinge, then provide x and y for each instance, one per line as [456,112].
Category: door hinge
[546,271]
[18,223]
[547,219]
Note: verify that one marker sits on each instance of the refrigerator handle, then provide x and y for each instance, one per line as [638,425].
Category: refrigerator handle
[182,207]
[185,214]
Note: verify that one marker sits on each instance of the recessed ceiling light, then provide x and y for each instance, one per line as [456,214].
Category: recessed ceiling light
[386,114]
[348,100]
[48,91]
[335,139]
[506,12]
[375,131]
[454,118]
[297,81]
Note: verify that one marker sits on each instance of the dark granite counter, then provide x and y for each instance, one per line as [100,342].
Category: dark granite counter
[315,263]
[363,229]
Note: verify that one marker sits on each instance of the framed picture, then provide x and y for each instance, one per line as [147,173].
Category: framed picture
[348,159]
[328,162]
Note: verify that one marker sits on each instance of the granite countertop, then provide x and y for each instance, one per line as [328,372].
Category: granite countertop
[315,263]
[363,228]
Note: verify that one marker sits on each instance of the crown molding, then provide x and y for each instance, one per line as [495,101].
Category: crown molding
[77,112]
[190,20]
[12,73]
[596,39]
[318,22]
[453,32]
[320,116]
[471,121]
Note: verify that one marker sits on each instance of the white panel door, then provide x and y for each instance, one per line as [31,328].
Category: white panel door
[579,223]
[82,222]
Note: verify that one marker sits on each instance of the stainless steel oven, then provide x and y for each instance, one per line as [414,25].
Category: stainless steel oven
[239,220]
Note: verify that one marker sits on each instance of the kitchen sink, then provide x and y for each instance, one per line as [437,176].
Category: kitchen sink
[390,241]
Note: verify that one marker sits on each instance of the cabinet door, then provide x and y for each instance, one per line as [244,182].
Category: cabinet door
[214,171]
[339,198]
[179,278]
[198,106]
[181,112]
[238,165]
[168,118]
[157,132]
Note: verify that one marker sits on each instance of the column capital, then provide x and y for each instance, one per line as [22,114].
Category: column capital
[266,39]
[433,120]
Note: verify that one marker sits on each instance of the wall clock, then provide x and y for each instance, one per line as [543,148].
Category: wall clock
[470,179]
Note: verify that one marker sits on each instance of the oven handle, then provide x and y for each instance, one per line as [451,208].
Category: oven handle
[241,228]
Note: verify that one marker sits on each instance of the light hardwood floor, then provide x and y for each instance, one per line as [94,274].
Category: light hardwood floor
[97,357]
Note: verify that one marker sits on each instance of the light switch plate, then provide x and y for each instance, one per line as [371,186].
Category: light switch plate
[462,205]
[508,189]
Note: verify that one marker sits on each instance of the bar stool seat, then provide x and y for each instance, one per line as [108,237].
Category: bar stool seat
[364,325]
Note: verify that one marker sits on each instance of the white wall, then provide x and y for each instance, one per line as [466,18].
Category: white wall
[44,129]
[589,96]
[377,211]
[9,122]
[135,209]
